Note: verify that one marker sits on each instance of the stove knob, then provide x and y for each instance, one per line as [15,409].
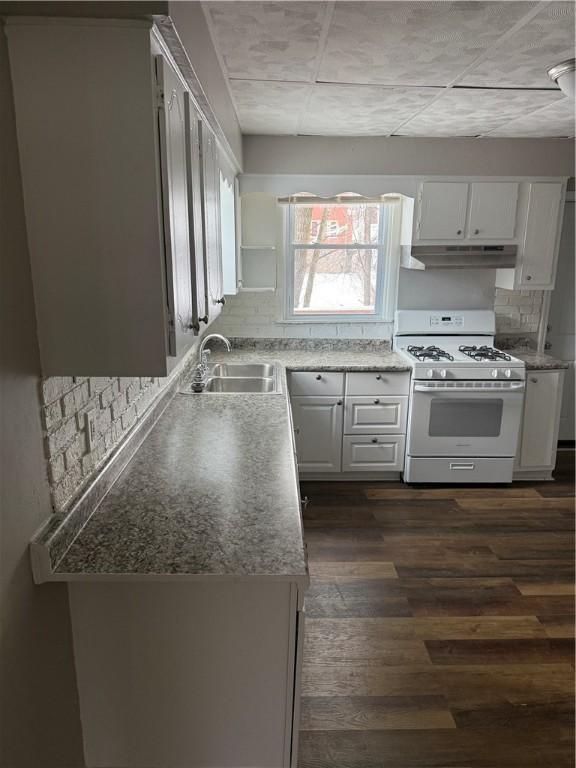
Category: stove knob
[494,373]
[443,373]
[507,373]
[430,373]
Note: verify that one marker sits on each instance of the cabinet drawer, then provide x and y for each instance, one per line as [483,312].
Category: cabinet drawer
[316,383]
[383,414]
[378,383]
[373,453]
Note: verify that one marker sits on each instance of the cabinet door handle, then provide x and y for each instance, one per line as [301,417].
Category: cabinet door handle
[339,402]
[203,319]
[376,402]
[459,232]
[534,380]
[528,277]
[374,439]
[476,231]
[221,300]
[318,378]
[378,378]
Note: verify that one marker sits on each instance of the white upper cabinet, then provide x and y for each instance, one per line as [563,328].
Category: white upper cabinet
[174,140]
[492,210]
[196,229]
[454,210]
[114,209]
[211,223]
[541,239]
[442,214]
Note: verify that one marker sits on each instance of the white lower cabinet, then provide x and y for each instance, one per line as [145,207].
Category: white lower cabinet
[201,674]
[318,430]
[539,435]
[362,431]
[373,453]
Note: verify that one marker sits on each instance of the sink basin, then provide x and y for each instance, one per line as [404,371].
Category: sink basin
[246,384]
[241,370]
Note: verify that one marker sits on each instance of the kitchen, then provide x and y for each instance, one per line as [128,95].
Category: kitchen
[288,389]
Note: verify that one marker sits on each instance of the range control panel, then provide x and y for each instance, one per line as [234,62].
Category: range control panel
[447,321]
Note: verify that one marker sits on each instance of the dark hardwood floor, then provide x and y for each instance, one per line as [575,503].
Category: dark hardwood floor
[440,625]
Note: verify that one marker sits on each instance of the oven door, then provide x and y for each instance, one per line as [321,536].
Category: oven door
[465,418]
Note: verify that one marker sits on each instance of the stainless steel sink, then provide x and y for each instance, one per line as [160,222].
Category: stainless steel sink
[246,384]
[243,370]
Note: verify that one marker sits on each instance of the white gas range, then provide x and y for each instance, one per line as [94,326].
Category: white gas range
[466,397]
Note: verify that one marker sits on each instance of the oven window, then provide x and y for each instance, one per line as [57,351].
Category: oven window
[474,417]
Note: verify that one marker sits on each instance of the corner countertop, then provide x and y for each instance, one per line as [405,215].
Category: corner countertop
[212,491]
[537,361]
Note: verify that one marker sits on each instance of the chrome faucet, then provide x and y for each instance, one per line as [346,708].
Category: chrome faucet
[201,370]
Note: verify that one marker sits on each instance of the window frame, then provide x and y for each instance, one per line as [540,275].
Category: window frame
[386,278]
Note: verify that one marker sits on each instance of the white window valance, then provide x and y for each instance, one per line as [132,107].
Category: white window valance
[328,186]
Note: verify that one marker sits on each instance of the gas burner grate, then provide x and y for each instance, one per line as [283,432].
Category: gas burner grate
[429,353]
[484,353]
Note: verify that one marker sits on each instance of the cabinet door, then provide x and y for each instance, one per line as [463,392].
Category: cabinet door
[173,140]
[211,222]
[195,228]
[442,210]
[492,210]
[541,237]
[541,419]
[318,428]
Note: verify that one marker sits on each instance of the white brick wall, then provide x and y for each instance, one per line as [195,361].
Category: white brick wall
[254,314]
[119,403]
[517,312]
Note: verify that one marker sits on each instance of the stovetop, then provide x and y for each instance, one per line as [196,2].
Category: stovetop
[449,359]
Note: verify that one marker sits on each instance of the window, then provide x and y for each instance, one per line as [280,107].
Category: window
[338,263]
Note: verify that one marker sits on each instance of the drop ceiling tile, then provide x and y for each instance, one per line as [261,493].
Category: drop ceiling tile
[471,112]
[412,43]
[267,41]
[555,120]
[355,110]
[523,60]
[267,107]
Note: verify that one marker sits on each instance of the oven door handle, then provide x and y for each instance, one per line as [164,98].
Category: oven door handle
[515,386]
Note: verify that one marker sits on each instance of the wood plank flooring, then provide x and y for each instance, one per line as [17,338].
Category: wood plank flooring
[439,625]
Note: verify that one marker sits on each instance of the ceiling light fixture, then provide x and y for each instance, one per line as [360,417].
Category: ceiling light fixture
[563,76]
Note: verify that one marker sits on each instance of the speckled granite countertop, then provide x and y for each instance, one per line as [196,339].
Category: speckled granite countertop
[536,361]
[212,492]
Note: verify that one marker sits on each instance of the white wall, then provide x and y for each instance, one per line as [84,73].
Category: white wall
[40,725]
[408,156]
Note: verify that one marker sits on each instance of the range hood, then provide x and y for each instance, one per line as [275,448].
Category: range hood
[459,256]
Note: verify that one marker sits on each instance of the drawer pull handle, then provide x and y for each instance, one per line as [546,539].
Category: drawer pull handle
[374,439]
[378,378]
[339,402]
[461,466]
[376,401]
[318,378]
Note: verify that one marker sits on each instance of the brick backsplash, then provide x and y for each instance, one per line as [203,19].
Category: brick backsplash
[255,313]
[517,312]
[119,403]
